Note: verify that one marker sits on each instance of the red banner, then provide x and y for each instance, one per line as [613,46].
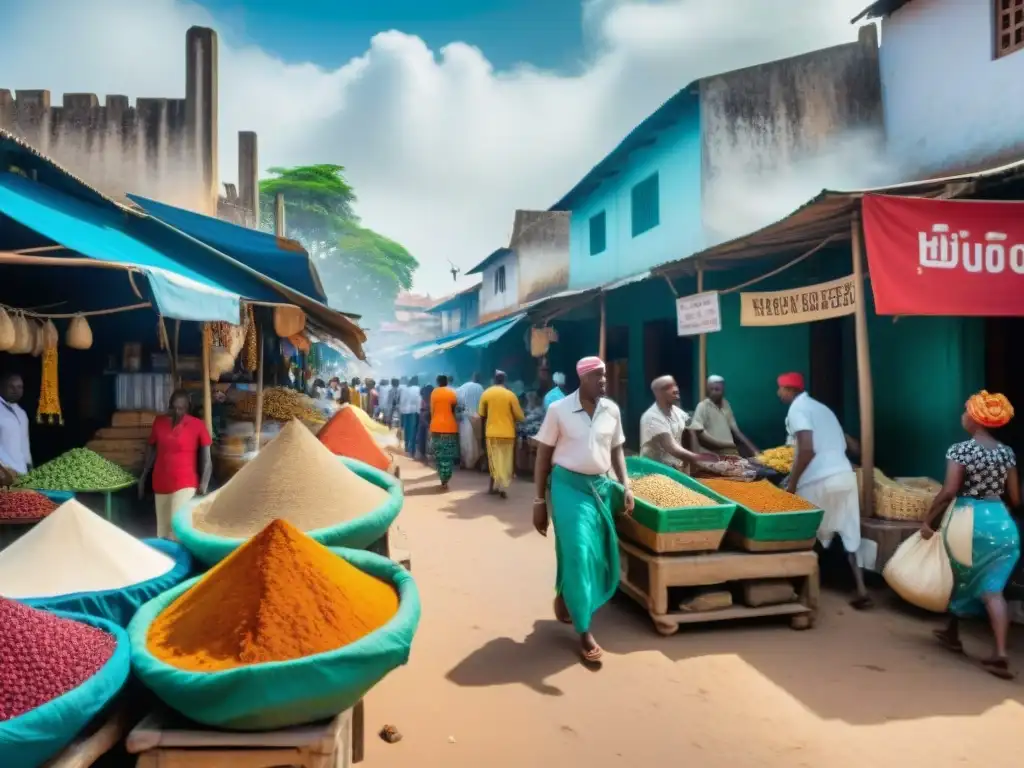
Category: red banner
[945,257]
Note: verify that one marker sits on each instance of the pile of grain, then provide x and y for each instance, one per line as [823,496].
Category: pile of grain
[345,435]
[281,404]
[759,496]
[294,478]
[76,550]
[665,493]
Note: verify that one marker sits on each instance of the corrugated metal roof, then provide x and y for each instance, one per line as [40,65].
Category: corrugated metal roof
[828,215]
[452,300]
[493,257]
[878,10]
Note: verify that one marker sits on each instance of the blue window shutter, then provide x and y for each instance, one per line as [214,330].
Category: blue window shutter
[598,233]
[645,205]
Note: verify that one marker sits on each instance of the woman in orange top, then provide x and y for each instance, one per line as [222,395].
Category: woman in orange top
[444,430]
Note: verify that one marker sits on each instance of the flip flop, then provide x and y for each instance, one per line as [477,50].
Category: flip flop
[862,603]
[593,655]
[998,668]
[946,642]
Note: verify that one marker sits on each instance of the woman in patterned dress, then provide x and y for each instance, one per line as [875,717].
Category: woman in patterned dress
[979,471]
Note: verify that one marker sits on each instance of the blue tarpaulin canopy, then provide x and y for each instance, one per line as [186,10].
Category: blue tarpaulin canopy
[478,336]
[280,258]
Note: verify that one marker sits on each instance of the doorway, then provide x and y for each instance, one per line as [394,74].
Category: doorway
[666,353]
[1004,372]
[826,371]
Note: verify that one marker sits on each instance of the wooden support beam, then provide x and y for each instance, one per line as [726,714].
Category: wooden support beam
[865,394]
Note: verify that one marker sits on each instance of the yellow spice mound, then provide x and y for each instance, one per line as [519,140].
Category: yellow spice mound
[294,478]
[279,596]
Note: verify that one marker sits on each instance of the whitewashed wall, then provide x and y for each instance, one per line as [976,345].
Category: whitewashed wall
[493,304]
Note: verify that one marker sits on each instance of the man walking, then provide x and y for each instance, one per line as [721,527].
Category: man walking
[470,432]
[500,410]
[409,406]
[580,441]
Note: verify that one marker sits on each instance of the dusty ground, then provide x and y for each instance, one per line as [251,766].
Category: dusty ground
[493,679]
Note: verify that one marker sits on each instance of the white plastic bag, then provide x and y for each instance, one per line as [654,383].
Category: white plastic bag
[920,573]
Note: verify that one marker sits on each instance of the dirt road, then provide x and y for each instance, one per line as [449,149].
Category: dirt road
[494,680]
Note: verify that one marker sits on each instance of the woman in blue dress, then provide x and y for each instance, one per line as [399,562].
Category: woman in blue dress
[979,472]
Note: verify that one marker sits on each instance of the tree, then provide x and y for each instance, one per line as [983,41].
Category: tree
[362,270]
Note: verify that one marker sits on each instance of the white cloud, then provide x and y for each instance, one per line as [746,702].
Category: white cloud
[440,147]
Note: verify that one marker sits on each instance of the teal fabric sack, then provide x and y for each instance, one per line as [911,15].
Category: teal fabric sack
[120,605]
[209,549]
[29,740]
[283,693]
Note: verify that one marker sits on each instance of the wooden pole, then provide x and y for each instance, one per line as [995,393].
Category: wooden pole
[259,388]
[279,221]
[602,338]
[702,351]
[207,387]
[177,338]
[864,389]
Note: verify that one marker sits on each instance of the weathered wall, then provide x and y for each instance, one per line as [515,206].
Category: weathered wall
[541,241]
[163,148]
[494,304]
[952,107]
[774,135]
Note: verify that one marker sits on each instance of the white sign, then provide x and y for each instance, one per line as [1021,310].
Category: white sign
[698,314]
[835,298]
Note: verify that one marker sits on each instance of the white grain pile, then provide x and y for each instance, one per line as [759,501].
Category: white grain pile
[294,477]
[76,550]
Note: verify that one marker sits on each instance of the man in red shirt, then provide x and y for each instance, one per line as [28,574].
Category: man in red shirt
[178,455]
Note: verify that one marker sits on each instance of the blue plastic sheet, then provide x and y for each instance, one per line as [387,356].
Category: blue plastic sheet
[209,549]
[29,740]
[283,693]
[120,605]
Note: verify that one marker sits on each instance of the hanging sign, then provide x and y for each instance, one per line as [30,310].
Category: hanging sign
[945,257]
[698,314]
[824,301]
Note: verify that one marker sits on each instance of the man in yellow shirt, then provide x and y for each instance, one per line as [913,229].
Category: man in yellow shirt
[500,410]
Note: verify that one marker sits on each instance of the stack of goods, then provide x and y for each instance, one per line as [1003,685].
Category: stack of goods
[56,673]
[760,496]
[124,441]
[345,435]
[906,499]
[284,600]
[780,459]
[77,470]
[666,493]
[75,560]
[295,478]
[281,404]
[24,506]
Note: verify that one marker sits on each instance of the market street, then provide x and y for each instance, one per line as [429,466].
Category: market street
[495,680]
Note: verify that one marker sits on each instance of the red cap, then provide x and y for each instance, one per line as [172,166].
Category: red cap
[792,381]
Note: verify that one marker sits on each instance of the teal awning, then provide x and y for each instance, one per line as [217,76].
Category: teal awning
[491,336]
[280,258]
[477,336]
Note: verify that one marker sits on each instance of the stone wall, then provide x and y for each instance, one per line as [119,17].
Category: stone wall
[540,240]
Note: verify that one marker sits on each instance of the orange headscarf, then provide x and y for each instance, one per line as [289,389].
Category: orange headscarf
[989,410]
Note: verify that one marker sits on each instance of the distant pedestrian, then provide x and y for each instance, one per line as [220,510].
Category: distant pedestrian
[409,408]
[444,429]
[500,410]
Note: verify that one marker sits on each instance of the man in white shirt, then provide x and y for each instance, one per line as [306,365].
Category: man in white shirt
[662,427]
[579,443]
[822,473]
[409,407]
[383,400]
[14,444]
[470,424]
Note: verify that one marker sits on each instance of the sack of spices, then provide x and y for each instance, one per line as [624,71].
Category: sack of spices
[7,336]
[79,335]
[64,669]
[283,632]
[23,339]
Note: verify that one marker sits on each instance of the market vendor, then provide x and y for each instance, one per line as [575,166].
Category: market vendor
[822,473]
[663,426]
[715,424]
[178,456]
[557,392]
[15,453]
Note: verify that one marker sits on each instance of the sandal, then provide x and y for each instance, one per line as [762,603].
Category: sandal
[948,642]
[862,603]
[593,655]
[998,668]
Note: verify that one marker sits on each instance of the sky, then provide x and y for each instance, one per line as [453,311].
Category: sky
[447,114]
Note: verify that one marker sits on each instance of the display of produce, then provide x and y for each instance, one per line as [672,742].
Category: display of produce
[104,557]
[281,404]
[77,470]
[759,496]
[280,596]
[345,435]
[24,505]
[666,493]
[44,656]
[295,477]
[780,459]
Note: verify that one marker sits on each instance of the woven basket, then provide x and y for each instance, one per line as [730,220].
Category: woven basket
[904,498]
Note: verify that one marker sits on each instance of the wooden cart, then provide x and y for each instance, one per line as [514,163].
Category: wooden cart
[647,577]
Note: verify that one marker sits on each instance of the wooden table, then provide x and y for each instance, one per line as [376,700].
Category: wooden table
[165,740]
[91,746]
[647,577]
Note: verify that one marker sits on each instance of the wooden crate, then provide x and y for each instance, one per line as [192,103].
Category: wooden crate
[682,541]
[123,433]
[165,740]
[647,578]
[133,418]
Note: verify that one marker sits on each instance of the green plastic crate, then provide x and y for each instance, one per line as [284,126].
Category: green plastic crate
[774,526]
[681,519]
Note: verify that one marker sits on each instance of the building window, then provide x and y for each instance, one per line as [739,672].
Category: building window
[499,280]
[598,233]
[645,205]
[1009,26]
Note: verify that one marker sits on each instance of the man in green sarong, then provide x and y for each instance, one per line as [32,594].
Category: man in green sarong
[579,443]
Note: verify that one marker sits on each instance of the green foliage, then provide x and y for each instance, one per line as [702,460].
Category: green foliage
[361,270]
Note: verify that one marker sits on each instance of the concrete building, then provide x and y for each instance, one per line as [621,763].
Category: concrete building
[952,76]
[459,311]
